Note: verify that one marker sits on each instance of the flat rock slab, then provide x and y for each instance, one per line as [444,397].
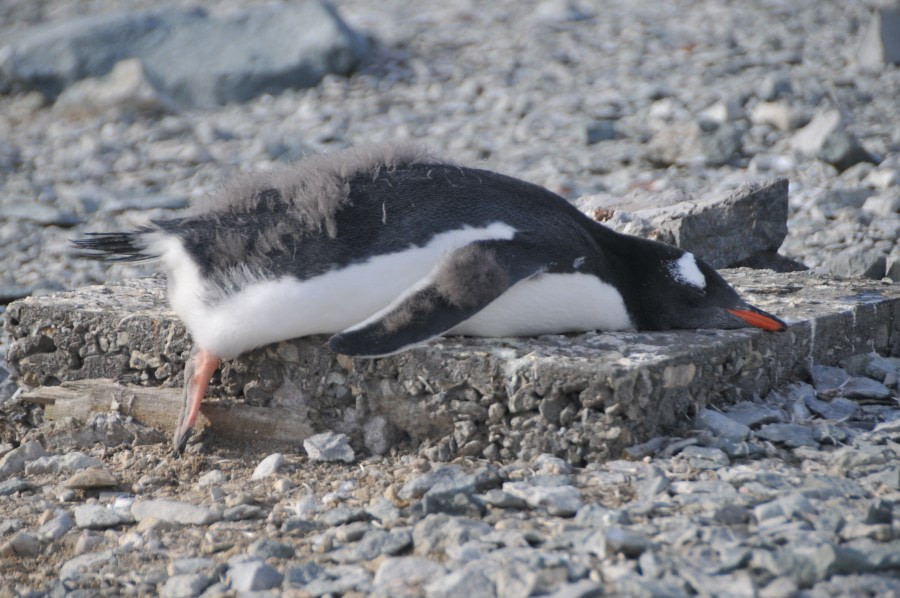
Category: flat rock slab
[583,397]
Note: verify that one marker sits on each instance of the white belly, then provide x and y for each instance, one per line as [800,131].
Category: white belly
[550,304]
[269,311]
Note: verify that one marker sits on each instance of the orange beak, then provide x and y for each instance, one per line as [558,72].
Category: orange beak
[759,319]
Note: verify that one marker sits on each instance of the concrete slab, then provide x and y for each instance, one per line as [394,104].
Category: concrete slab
[584,397]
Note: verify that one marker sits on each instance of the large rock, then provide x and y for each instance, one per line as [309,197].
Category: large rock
[583,397]
[194,59]
[723,232]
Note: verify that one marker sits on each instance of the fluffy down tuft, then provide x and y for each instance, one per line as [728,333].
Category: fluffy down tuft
[316,186]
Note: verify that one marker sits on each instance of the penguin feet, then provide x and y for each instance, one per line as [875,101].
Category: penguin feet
[197,373]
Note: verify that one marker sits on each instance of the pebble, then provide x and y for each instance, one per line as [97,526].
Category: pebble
[561,500]
[55,528]
[628,543]
[91,478]
[252,576]
[266,548]
[721,425]
[703,457]
[857,387]
[838,408]
[66,463]
[176,512]
[754,415]
[13,485]
[185,585]
[270,465]
[329,446]
[827,378]
[185,566]
[792,435]
[95,517]
[214,478]
[14,461]
[22,544]
[404,575]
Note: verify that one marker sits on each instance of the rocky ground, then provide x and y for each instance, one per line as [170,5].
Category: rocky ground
[676,98]
[795,495]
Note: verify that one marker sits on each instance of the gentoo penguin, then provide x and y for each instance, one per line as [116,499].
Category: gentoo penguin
[387,247]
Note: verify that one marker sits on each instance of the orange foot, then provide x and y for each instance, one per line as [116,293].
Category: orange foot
[197,374]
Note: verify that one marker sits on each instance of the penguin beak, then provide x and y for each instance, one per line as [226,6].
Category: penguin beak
[759,319]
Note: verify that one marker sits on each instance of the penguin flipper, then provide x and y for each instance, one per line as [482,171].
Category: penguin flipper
[461,284]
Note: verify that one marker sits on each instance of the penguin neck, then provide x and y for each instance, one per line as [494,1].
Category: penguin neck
[636,267]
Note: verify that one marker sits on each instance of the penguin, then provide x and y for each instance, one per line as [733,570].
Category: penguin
[386,247]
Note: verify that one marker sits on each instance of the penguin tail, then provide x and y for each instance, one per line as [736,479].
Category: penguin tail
[113,247]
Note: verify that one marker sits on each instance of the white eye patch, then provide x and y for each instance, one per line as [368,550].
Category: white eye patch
[685,271]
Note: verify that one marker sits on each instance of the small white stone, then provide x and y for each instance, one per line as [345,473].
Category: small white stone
[283,485]
[211,478]
[268,466]
[329,446]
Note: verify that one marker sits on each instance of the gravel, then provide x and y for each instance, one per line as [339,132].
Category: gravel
[797,491]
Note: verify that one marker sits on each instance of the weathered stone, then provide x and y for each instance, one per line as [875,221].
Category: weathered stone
[15,460]
[13,485]
[403,575]
[856,262]
[329,446]
[211,478]
[92,478]
[827,379]
[776,114]
[754,414]
[377,542]
[872,365]
[601,130]
[712,228]
[446,474]
[702,457]
[379,435]
[253,575]
[268,466]
[266,548]
[184,566]
[865,388]
[792,435]
[843,150]
[61,463]
[96,517]
[185,585]
[810,139]
[560,500]
[174,512]
[791,505]
[616,383]
[620,540]
[468,581]
[437,532]
[721,425]
[835,409]
[55,528]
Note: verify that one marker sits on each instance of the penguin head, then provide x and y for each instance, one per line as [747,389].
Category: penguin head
[696,296]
